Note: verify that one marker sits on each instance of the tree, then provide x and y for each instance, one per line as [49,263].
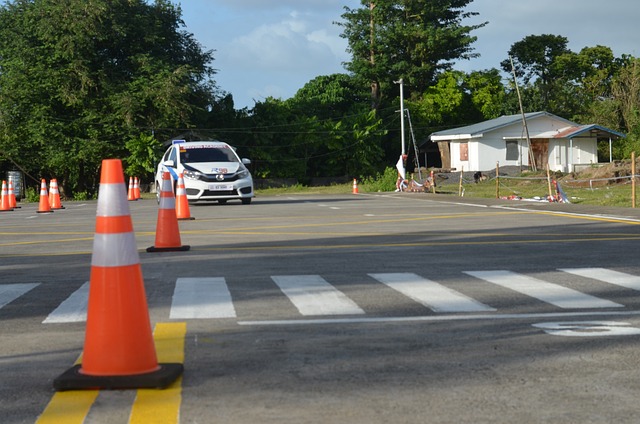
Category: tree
[78,78]
[533,61]
[410,39]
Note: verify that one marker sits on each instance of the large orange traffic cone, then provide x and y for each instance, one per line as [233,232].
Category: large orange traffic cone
[182,204]
[54,195]
[136,187]
[119,351]
[167,230]
[130,193]
[355,186]
[44,206]
[5,204]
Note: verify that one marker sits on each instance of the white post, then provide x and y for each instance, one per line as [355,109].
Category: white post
[402,115]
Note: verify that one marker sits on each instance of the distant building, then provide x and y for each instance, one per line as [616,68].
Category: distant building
[555,142]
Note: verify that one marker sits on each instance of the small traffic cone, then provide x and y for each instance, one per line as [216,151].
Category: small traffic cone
[5,205]
[13,204]
[130,193]
[182,204]
[44,206]
[167,230]
[54,195]
[136,188]
[355,186]
[119,351]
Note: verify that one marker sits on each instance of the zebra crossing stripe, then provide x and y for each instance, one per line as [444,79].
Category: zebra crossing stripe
[608,276]
[10,292]
[201,298]
[312,295]
[554,294]
[72,309]
[433,295]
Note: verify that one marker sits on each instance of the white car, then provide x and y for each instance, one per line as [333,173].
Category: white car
[212,170]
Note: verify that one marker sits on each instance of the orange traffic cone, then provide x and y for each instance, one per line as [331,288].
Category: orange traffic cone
[130,194]
[355,186]
[45,206]
[5,204]
[119,351]
[167,231]
[54,195]
[136,188]
[182,204]
[12,196]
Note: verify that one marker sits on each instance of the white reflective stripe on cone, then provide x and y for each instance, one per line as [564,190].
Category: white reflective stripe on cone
[111,250]
[112,200]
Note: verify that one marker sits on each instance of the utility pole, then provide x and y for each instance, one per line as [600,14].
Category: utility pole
[401,82]
[375,84]
[532,159]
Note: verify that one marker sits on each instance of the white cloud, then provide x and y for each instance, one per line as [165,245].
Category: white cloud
[272,48]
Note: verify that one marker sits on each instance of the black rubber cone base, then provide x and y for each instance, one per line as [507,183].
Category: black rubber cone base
[73,379]
[191,218]
[168,249]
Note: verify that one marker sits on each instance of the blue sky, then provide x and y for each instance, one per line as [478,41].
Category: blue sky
[272,48]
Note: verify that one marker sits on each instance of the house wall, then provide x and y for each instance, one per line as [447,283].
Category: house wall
[486,151]
[585,151]
[558,151]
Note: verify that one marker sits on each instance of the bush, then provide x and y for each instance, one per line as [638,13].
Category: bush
[381,182]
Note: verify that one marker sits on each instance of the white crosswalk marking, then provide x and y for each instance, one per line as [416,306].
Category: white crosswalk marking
[554,294]
[431,294]
[312,295]
[73,309]
[608,276]
[200,298]
[10,292]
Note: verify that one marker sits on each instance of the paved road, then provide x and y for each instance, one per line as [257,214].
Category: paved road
[376,308]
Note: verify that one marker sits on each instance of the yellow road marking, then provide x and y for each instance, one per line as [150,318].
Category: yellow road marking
[151,405]
[154,406]
[68,407]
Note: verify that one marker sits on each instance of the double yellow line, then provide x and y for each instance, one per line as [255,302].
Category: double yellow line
[150,405]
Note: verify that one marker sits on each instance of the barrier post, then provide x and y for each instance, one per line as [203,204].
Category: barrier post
[497,180]
[633,179]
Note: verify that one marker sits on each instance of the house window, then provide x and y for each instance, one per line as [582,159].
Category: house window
[464,151]
[512,150]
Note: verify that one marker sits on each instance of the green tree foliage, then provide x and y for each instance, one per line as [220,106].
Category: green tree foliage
[143,155]
[325,130]
[533,60]
[410,39]
[80,77]
[621,109]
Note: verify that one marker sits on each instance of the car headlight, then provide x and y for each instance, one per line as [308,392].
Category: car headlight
[243,173]
[192,175]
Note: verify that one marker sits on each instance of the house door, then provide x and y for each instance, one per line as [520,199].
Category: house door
[540,150]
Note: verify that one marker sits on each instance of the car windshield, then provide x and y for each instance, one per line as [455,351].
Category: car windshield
[207,154]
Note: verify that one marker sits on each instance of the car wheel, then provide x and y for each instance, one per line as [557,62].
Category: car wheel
[158,192]
[246,201]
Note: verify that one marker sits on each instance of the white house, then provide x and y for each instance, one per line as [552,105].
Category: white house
[553,141]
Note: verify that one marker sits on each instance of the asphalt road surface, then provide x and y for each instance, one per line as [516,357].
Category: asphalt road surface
[368,308]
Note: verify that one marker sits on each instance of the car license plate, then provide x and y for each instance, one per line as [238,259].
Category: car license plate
[220,187]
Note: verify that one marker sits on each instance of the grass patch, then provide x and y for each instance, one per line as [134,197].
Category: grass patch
[531,187]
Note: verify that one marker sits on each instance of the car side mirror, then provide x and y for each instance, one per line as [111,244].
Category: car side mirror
[169,163]
[246,161]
